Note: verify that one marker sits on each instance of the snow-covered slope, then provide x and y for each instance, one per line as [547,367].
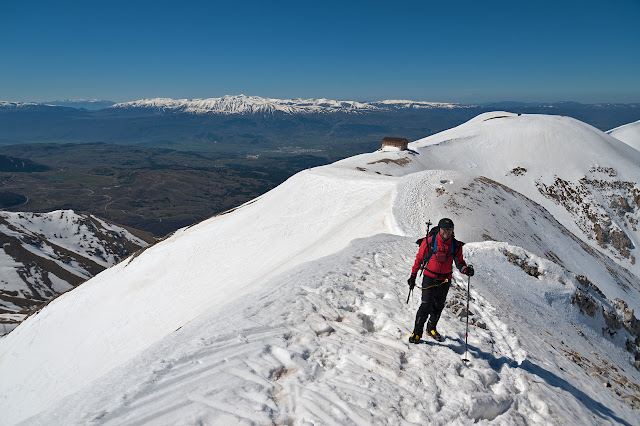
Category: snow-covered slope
[325,343]
[587,179]
[45,254]
[291,308]
[629,134]
[242,104]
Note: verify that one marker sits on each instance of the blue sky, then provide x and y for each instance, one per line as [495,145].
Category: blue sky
[457,51]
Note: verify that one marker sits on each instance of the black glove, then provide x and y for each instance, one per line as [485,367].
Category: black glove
[468,271]
[412,281]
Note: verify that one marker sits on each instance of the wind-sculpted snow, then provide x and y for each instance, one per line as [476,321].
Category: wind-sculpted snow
[132,305]
[291,308]
[325,343]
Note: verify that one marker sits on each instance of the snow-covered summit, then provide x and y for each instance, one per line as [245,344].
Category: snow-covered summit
[242,104]
[291,308]
[588,180]
[629,134]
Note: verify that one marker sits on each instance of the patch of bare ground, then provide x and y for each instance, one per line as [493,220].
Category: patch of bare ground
[399,161]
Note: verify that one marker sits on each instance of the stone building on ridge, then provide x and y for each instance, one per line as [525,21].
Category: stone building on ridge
[392,142]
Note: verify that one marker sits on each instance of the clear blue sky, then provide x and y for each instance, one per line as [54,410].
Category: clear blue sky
[459,51]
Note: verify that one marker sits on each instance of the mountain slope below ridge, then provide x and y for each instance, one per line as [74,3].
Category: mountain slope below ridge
[629,134]
[325,342]
[588,180]
[45,254]
[202,269]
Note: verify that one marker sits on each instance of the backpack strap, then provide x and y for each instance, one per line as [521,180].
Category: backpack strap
[432,248]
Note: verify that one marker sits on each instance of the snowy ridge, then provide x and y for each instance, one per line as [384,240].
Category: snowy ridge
[629,134]
[291,308]
[45,254]
[588,180]
[325,344]
[242,104]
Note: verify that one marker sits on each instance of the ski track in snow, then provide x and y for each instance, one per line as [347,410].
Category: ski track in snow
[326,343]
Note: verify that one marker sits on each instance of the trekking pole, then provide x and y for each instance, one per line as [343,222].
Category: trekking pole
[409,295]
[466,333]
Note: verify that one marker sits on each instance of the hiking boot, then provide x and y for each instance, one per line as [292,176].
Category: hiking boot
[414,338]
[435,335]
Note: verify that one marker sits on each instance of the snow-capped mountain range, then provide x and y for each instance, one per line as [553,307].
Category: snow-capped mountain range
[242,104]
[18,105]
[45,254]
[291,309]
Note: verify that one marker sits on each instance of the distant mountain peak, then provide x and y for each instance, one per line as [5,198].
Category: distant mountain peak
[90,104]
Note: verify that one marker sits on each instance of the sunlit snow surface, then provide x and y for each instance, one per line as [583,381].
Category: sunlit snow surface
[291,309]
[629,134]
[326,343]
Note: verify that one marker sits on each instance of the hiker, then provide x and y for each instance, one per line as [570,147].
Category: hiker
[438,250]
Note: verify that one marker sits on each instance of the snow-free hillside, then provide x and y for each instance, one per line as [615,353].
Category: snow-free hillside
[291,309]
[242,104]
[45,254]
[629,134]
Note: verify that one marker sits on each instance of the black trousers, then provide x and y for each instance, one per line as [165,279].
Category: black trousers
[434,294]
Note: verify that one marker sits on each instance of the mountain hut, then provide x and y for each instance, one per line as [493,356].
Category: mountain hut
[392,142]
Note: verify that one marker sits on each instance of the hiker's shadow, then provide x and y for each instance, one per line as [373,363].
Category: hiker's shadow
[550,378]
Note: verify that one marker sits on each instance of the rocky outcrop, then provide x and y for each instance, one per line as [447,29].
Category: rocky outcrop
[616,314]
[585,302]
[531,268]
[608,222]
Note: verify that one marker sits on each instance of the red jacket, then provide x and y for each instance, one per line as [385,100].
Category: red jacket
[440,264]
